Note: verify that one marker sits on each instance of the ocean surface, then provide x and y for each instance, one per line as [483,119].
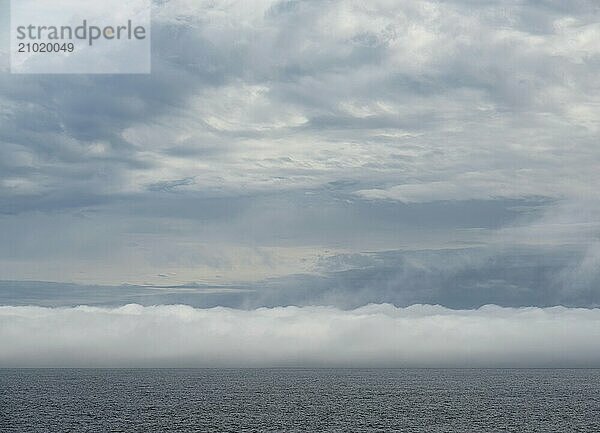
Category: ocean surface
[299,400]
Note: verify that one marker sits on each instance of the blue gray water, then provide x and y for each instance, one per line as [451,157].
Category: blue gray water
[299,400]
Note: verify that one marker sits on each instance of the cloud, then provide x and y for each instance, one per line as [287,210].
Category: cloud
[171,185]
[273,132]
[401,98]
[509,276]
[455,278]
[373,335]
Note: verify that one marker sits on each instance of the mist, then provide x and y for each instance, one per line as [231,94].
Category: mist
[377,335]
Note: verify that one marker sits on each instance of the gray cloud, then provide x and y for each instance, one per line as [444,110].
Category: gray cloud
[485,103]
[462,278]
[272,134]
[458,278]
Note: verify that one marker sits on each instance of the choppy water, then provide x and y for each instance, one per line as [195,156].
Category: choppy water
[311,400]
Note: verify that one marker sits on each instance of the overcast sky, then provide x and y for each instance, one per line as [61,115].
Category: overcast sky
[314,153]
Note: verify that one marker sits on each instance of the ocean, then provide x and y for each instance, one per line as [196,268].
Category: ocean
[299,400]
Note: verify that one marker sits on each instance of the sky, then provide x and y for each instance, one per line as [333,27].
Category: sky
[333,153]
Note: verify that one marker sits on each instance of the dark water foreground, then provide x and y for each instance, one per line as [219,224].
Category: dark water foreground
[311,400]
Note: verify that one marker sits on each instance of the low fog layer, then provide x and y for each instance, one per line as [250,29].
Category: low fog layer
[374,335]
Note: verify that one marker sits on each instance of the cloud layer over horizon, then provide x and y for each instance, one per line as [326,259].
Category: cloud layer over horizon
[370,336]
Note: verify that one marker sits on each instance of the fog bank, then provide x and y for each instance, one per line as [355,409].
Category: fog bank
[371,336]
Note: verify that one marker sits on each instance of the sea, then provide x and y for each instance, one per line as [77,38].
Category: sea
[299,400]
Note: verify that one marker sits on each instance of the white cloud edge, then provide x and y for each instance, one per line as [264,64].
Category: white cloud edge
[380,335]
